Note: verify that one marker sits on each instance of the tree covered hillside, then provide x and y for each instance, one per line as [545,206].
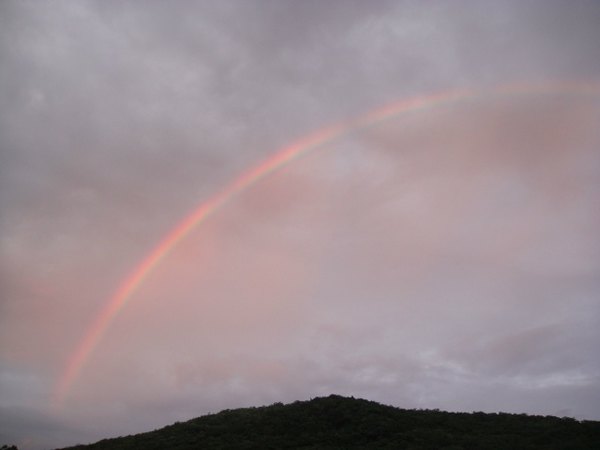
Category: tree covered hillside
[336,422]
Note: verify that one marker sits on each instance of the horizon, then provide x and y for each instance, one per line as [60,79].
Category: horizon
[453,422]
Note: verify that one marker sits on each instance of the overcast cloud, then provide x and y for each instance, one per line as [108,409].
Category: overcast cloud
[447,258]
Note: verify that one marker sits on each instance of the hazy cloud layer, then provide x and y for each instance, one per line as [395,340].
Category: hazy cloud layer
[447,258]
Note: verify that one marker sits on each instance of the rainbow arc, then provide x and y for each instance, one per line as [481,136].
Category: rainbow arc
[281,158]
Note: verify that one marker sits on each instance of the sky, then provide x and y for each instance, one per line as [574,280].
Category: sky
[445,257]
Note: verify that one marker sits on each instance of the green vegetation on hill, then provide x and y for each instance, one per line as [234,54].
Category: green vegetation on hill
[336,422]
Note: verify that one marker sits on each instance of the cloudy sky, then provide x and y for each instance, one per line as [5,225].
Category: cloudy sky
[447,257]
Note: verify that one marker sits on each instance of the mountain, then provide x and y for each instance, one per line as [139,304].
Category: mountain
[337,422]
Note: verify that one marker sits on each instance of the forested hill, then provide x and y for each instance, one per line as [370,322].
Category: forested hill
[336,422]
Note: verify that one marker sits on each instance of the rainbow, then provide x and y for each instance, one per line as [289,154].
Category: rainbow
[276,161]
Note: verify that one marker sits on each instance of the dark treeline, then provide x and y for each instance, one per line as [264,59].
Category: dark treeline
[336,422]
